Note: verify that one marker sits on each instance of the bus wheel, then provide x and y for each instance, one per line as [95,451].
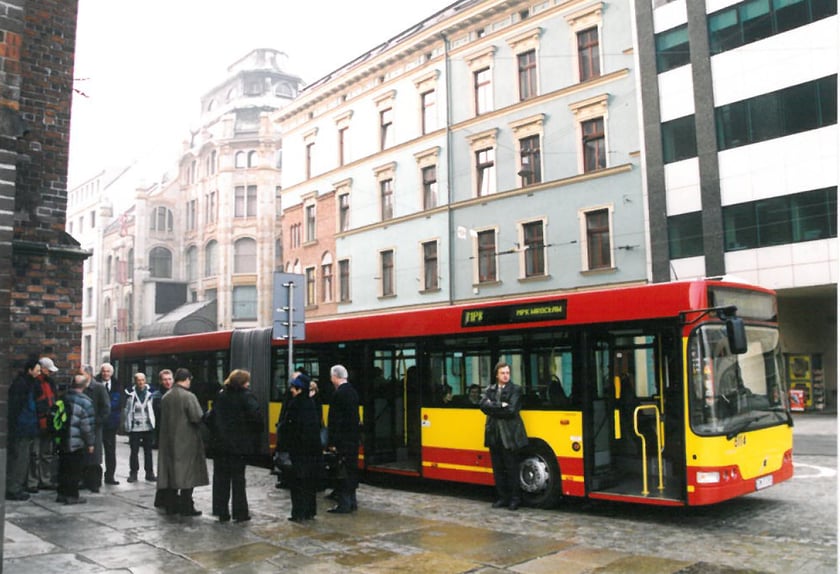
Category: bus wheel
[539,477]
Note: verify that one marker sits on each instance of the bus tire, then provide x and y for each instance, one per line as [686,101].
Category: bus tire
[539,477]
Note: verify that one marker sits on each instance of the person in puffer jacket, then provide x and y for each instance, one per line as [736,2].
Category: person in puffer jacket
[79,438]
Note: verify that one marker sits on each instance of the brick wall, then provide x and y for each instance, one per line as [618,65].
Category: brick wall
[40,265]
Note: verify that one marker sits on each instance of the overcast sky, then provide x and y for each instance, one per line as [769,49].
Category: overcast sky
[142,65]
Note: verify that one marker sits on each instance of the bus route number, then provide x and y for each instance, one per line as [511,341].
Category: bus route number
[740,440]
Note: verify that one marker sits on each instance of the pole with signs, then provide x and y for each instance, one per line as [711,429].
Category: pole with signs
[288,319]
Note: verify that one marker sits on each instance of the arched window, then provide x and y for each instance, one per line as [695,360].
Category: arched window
[191,263]
[240,160]
[160,263]
[253,158]
[211,254]
[245,256]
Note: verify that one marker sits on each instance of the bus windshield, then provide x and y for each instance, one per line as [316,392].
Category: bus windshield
[732,393]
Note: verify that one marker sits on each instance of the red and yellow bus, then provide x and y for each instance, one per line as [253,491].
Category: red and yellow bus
[666,394]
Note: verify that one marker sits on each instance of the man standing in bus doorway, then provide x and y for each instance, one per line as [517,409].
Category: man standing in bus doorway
[504,435]
[181,462]
[343,429]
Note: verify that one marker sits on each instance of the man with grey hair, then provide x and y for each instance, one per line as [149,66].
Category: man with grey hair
[343,429]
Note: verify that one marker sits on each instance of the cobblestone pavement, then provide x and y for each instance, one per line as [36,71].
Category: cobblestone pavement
[435,528]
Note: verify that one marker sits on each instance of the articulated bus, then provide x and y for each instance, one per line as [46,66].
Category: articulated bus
[665,394]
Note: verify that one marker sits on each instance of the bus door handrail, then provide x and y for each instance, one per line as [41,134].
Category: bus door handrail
[655,409]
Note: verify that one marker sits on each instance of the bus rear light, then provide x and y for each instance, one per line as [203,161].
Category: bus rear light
[708,477]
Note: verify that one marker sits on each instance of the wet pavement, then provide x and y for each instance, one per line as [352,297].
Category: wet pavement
[419,531]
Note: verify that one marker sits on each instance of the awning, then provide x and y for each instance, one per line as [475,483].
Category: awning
[199,317]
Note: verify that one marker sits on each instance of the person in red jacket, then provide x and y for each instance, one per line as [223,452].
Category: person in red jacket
[43,470]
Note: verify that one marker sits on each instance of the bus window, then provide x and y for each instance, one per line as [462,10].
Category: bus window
[459,370]
[731,393]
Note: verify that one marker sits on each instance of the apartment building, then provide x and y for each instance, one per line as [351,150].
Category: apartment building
[491,150]
[739,112]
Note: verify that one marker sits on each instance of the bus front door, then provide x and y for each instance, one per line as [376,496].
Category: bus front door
[628,421]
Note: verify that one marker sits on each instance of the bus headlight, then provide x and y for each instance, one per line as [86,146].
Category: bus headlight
[708,477]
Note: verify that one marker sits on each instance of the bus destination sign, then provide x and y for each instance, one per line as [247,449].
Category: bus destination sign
[507,314]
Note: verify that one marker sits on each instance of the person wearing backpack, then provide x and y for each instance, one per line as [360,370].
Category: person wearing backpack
[43,470]
[139,424]
[23,430]
[77,438]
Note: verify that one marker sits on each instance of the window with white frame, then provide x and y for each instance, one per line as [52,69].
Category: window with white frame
[483,146]
[528,133]
[344,280]
[481,66]
[430,265]
[326,278]
[309,221]
[596,238]
[525,46]
[585,25]
[385,178]
[427,162]
[343,193]
[486,255]
[309,287]
[160,263]
[428,112]
[427,90]
[244,302]
[309,152]
[385,106]
[386,271]
[533,248]
[211,256]
[342,125]
[386,198]
[211,208]
[240,160]
[245,201]
[245,255]
[191,263]
[160,220]
[192,215]
[591,117]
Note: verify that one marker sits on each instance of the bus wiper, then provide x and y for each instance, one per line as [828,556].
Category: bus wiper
[742,427]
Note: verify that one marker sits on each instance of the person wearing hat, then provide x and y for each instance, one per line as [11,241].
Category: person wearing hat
[300,436]
[43,470]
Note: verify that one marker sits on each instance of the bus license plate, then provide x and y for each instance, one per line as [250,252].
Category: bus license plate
[764,482]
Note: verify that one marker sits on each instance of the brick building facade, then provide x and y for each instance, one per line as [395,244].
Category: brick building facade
[40,265]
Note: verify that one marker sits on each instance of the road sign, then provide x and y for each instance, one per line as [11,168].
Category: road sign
[288,304]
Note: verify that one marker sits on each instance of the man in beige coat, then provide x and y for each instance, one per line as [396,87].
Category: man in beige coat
[181,462]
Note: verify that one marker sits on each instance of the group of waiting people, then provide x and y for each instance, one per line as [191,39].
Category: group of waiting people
[92,406]
[302,434]
[170,418]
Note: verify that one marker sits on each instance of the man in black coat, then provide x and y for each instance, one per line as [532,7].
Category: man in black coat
[504,435]
[343,429]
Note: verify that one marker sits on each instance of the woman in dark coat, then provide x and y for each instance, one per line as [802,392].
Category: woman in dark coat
[236,425]
[300,437]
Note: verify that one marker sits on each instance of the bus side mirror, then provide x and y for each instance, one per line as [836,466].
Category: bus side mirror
[737,335]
